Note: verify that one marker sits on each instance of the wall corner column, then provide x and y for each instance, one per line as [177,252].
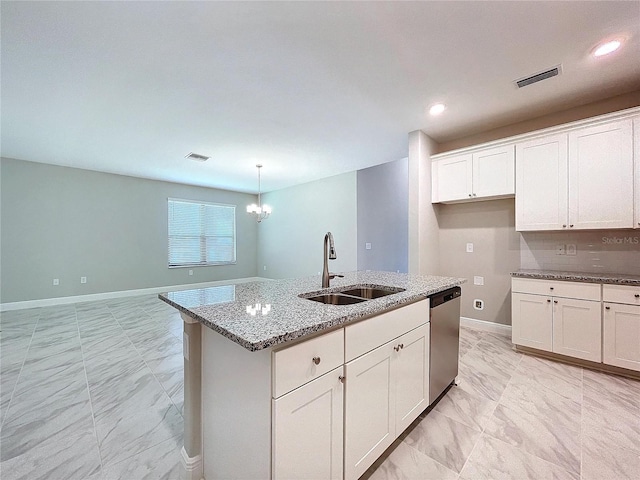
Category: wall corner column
[424,243]
[192,467]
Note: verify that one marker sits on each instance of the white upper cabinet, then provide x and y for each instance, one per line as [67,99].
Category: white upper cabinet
[601,176]
[636,142]
[483,174]
[452,178]
[541,183]
[581,179]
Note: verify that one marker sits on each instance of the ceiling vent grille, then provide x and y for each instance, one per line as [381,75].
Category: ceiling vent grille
[538,77]
[197,157]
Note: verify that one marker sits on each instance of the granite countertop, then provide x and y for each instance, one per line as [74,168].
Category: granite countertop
[610,278]
[259,315]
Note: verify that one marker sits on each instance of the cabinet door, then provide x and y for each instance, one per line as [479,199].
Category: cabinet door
[541,184]
[601,176]
[493,172]
[452,178]
[308,430]
[531,321]
[411,373]
[369,409]
[636,143]
[577,328]
[621,336]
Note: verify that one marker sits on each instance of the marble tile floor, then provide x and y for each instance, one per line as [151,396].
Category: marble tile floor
[93,391]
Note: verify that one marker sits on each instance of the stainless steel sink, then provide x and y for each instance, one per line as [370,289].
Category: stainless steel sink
[336,299]
[371,292]
[350,295]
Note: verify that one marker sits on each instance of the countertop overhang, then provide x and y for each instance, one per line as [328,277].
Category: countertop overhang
[609,278]
[259,315]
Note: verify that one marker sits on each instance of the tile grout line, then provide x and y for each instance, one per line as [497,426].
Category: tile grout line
[13,391]
[86,379]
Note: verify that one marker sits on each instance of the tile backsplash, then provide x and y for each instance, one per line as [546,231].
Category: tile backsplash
[597,251]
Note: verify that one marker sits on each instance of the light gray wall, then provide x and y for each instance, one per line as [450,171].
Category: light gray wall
[290,241]
[490,226]
[424,240]
[60,222]
[383,217]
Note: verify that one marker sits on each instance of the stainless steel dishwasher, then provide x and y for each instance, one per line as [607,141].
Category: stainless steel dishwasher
[444,340]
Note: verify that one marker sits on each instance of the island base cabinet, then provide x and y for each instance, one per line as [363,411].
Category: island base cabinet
[532,320]
[622,336]
[386,390]
[308,430]
[577,329]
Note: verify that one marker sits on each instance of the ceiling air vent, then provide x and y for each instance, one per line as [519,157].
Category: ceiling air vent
[538,77]
[197,157]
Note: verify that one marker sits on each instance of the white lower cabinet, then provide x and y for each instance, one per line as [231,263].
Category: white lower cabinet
[621,345]
[577,328]
[386,390]
[553,323]
[532,321]
[308,430]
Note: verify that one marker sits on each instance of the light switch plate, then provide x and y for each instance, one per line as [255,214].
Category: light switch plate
[367,246]
[478,280]
[469,247]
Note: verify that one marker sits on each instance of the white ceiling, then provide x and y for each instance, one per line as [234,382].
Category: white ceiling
[308,89]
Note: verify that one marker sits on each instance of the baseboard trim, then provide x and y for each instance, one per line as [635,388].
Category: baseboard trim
[191,466]
[49,302]
[485,326]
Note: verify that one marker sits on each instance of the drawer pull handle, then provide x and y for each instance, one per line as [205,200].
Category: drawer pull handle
[608,308]
[399,347]
[316,360]
[342,379]
[550,288]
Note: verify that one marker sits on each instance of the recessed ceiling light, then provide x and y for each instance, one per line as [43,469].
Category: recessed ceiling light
[607,48]
[437,109]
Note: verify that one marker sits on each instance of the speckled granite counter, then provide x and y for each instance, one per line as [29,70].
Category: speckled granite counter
[259,315]
[611,278]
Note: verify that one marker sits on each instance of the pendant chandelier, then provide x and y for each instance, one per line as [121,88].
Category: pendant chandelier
[260,211]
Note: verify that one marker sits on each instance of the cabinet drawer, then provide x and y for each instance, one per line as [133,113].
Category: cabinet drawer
[628,294]
[364,336]
[295,365]
[557,288]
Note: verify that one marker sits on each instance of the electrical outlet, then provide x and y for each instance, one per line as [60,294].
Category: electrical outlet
[56,281]
[367,246]
[561,250]
[469,247]
[478,280]
[83,279]
[571,249]
[190,272]
[478,304]
[264,268]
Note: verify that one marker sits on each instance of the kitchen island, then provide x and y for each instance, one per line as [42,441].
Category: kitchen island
[267,348]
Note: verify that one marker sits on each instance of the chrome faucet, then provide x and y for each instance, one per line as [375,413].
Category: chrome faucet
[326,276]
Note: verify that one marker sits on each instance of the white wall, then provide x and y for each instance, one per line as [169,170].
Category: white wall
[290,241]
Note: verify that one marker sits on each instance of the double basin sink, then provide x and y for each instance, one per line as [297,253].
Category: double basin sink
[353,294]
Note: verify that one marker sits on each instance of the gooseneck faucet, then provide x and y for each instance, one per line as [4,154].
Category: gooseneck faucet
[329,254]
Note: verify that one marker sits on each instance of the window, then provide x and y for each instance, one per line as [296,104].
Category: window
[201,233]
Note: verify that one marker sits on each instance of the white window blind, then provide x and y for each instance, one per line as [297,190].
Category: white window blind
[201,233]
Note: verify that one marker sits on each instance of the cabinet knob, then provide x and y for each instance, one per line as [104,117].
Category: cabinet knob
[316,360]
[637,295]
[555,301]
[607,308]
[469,195]
[564,226]
[342,379]
[548,300]
[550,288]
[475,194]
[571,226]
